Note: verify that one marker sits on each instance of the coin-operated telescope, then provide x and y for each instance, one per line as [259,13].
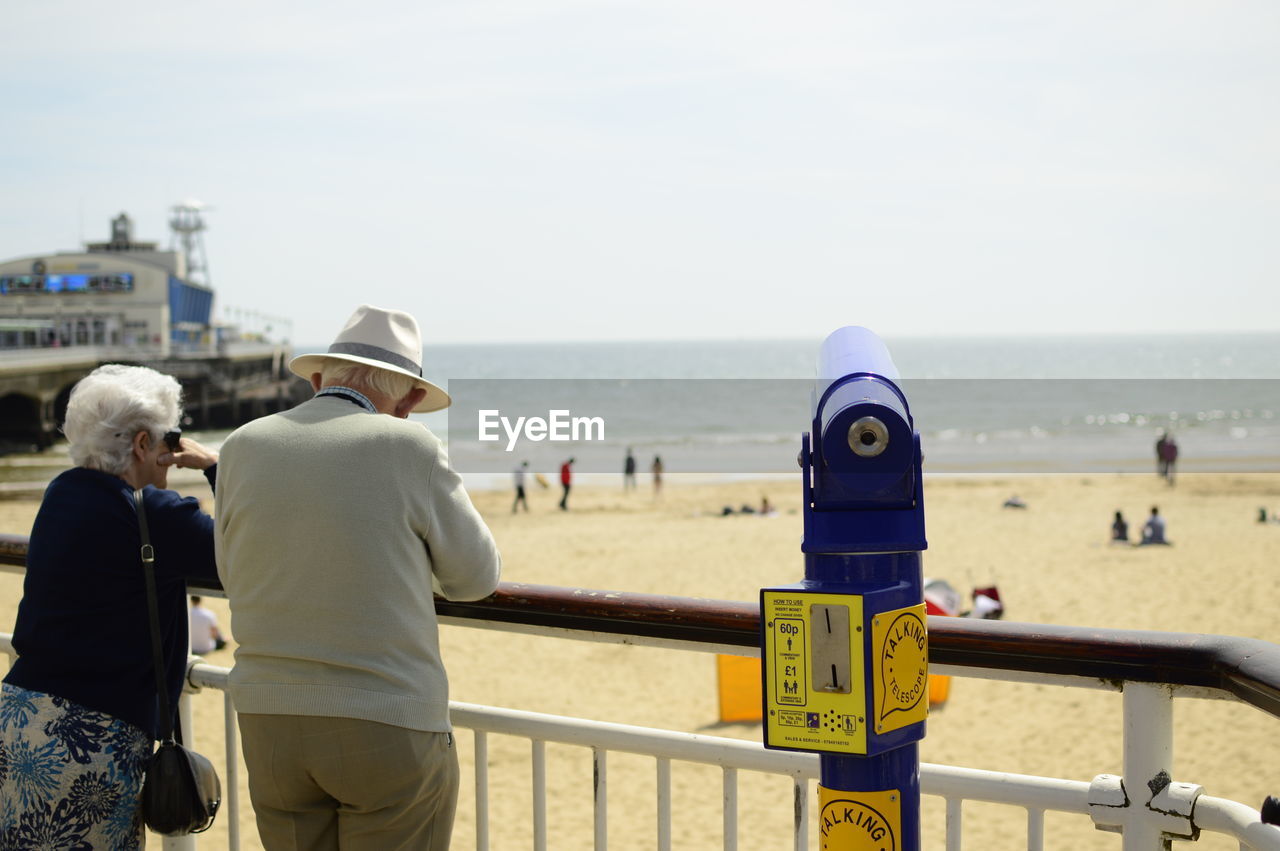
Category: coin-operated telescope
[846,651]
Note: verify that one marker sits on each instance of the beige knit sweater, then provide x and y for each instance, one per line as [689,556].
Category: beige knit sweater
[330,523]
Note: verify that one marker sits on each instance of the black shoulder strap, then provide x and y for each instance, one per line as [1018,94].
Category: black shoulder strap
[153,610]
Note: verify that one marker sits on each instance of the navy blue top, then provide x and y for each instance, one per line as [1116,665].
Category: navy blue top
[83,632]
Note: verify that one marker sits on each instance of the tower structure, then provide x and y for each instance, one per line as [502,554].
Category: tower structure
[186,221]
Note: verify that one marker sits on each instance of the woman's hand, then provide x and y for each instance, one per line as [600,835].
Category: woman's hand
[192,456]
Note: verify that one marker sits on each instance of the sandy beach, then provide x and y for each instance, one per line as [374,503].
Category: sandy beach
[1052,563]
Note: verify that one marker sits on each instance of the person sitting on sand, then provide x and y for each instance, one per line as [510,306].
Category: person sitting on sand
[205,635]
[1119,528]
[1153,530]
[766,509]
[1014,502]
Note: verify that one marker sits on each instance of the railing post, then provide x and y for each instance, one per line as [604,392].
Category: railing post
[600,795]
[801,795]
[539,768]
[482,789]
[1146,805]
[232,793]
[1148,758]
[730,809]
[664,804]
[845,651]
[1035,829]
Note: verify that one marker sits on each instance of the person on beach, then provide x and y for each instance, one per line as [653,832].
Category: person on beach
[1162,465]
[334,521]
[518,479]
[1169,458]
[1153,529]
[656,468]
[629,472]
[1119,529]
[566,481]
[77,719]
[205,635]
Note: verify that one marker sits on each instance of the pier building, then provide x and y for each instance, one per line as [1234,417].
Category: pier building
[115,293]
[128,301]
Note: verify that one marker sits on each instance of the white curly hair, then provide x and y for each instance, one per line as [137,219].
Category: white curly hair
[112,404]
[363,377]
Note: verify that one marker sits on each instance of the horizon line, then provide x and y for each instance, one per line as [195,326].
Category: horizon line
[888,336]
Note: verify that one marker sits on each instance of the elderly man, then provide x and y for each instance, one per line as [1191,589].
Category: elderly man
[333,522]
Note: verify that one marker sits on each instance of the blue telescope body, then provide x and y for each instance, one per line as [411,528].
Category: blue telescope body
[862,456]
[859,614]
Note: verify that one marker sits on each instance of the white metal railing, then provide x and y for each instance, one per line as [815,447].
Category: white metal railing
[1146,821]
[603,738]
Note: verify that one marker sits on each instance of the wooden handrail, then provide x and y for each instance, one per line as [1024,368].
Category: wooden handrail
[1244,667]
[13,550]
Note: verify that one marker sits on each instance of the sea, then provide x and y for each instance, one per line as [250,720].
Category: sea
[737,409]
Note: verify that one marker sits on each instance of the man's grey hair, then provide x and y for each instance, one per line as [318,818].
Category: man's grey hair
[112,404]
[358,376]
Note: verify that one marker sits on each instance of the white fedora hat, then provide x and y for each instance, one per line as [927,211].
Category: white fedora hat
[386,339]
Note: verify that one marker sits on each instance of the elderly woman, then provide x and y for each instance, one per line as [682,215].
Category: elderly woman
[78,708]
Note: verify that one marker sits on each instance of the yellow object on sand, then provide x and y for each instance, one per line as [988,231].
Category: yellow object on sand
[739,685]
[939,689]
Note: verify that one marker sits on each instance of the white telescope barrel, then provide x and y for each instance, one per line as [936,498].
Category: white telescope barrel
[854,349]
[861,418]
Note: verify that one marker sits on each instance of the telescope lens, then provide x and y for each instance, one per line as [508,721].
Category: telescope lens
[868,437]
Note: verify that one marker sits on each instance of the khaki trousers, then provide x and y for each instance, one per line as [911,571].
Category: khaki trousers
[341,783]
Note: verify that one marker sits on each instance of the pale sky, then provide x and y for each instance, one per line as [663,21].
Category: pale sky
[560,170]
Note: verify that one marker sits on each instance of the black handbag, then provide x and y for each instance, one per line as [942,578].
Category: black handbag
[181,791]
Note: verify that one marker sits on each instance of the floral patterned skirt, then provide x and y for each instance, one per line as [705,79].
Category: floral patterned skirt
[70,777]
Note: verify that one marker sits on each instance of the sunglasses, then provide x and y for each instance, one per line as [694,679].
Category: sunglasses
[172,439]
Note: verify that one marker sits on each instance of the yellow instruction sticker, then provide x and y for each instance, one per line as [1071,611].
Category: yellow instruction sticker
[859,821]
[814,689]
[900,654]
